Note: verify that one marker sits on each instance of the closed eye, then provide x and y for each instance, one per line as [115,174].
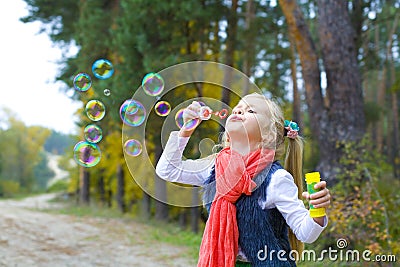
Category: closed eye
[251,111]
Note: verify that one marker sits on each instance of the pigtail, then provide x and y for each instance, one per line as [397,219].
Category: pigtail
[294,165]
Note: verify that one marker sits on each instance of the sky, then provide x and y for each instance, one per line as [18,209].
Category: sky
[28,71]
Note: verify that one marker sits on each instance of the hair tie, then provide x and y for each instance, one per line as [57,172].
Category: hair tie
[291,129]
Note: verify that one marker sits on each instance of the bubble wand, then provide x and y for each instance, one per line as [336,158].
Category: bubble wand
[206,112]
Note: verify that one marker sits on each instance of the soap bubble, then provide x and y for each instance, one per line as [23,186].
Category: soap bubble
[102,69]
[107,92]
[153,84]
[132,112]
[162,108]
[188,125]
[87,154]
[93,133]
[179,118]
[95,110]
[82,82]
[133,147]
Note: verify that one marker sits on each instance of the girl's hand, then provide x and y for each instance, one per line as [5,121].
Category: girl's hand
[189,114]
[321,199]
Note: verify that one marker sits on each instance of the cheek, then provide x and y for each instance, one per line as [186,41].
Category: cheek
[254,127]
[259,125]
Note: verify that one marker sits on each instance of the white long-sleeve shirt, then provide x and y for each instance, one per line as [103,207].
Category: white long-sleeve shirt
[281,192]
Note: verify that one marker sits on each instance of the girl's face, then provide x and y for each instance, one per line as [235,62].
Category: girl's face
[248,117]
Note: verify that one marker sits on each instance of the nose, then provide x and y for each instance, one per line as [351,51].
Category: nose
[237,111]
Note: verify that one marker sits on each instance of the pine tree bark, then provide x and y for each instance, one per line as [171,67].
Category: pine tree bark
[248,60]
[342,118]
[229,55]
[84,186]
[145,206]
[296,94]
[395,155]
[376,132]
[161,208]
[121,189]
[380,97]
[395,121]
[102,191]
[344,89]
[195,212]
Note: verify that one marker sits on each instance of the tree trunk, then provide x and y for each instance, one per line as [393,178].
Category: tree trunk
[145,207]
[229,55]
[121,189]
[395,136]
[376,134]
[102,191]
[309,62]
[195,212]
[296,95]
[160,192]
[395,109]
[344,87]
[301,37]
[357,20]
[216,42]
[85,186]
[183,217]
[380,97]
[248,60]
[343,118]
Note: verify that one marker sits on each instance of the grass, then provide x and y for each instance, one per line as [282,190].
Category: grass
[21,195]
[155,231]
[71,208]
[172,234]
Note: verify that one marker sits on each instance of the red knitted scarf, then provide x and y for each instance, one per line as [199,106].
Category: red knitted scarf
[233,175]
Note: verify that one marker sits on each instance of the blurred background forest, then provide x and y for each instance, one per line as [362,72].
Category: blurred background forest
[332,65]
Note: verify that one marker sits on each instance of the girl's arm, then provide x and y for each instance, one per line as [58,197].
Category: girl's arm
[282,194]
[172,168]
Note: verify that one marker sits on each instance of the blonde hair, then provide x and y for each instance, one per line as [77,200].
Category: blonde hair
[273,138]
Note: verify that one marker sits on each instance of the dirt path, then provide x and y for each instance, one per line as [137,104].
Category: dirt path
[30,237]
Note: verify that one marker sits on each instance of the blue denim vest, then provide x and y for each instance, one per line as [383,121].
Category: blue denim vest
[263,233]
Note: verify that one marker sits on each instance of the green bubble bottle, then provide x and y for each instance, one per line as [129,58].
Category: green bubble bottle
[311,179]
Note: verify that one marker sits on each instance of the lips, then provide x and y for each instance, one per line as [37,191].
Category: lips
[235,117]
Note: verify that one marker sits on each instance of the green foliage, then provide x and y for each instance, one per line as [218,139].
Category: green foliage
[42,173]
[57,143]
[372,112]
[20,151]
[172,234]
[58,186]
[361,208]
[92,210]
[9,188]
[54,15]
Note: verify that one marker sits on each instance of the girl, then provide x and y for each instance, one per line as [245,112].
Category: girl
[250,197]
